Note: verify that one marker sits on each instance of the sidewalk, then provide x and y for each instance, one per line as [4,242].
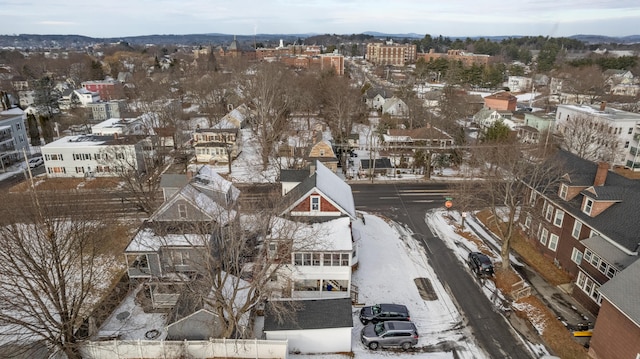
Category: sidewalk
[557,298]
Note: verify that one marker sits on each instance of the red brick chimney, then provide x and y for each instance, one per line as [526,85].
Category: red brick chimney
[601,174]
[603,105]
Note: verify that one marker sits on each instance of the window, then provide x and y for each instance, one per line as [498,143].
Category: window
[527,221]
[79,169]
[182,210]
[549,212]
[587,255]
[576,256]
[626,144]
[315,203]
[611,272]
[630,131]
[180,258]
[543,236]
[577,227]
[553,242]
[532,197]
[594,234]
[563,191]
[559,218]
[588,205]
[591,288]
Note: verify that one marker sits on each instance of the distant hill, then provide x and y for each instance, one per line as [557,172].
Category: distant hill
[37,41]
[599,39]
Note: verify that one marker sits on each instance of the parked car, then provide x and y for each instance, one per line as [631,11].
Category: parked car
[383,312]
[389,334]
[480,264]
[35,162]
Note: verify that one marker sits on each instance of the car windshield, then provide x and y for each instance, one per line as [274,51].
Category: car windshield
[379,328]
[375,309]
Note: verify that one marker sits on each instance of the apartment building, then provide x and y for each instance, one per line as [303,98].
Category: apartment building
[13,136]
[616,132]
[91,155]
[391,54]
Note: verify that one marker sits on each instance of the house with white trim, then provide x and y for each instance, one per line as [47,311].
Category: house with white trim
[91,155]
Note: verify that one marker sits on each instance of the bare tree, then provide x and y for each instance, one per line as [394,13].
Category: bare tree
[50,269]
[135,162]
[584,82]
[242,261]
[518,168]
[342,105]
[590,138]
[268,89]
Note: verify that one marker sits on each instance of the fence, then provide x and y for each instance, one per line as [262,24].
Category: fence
[213,348]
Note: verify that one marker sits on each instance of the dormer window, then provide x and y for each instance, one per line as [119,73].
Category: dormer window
[563,191]
[588,206]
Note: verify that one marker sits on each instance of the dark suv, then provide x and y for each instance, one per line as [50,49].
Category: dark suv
[383,312]
[389,334]
[480,264]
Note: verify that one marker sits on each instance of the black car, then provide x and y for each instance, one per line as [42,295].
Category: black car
[383,312]
[480,264]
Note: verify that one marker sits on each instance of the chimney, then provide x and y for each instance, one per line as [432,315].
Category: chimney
[603,105]
[601,174]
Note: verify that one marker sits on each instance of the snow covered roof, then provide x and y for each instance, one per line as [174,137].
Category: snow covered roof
[334,235]
[146,240]
[335,188]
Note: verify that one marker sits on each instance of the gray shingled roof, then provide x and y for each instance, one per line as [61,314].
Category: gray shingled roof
[380,163]
[623,291]
[605,193]
[294,175]
[619,222]
[172,180]
[607,251]
[313,314]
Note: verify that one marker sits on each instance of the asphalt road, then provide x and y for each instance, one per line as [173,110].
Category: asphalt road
[407,203]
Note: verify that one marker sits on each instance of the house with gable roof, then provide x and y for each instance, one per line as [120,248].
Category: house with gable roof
[375,97]
[322,151]
[584,225]
[321,196]
[170,247]
[324,203]
[395,107]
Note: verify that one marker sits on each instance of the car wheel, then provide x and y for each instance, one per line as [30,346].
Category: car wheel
[373,345]
[406,346]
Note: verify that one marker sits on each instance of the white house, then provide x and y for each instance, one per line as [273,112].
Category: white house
[394,107]
[320,265]
[519,83]
[486,117]
[90,155]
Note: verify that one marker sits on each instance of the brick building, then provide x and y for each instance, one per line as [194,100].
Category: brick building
[586,225]
[391,54]
[467,58]
[501,101]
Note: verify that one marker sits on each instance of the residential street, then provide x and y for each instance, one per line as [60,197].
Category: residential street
[407,204]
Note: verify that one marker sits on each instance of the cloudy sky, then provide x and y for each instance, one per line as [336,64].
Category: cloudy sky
[118,18]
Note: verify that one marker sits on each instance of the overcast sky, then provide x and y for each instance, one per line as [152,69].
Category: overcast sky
[119,18]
